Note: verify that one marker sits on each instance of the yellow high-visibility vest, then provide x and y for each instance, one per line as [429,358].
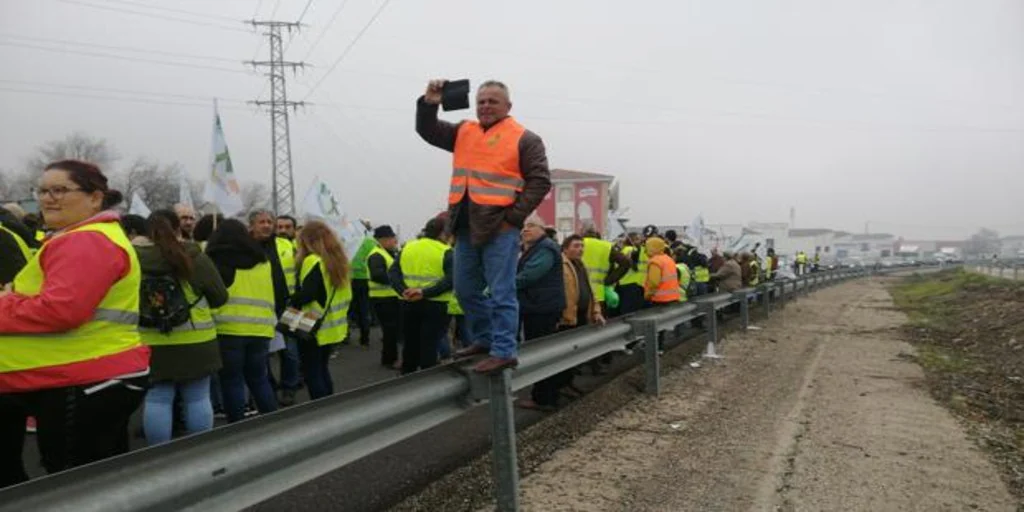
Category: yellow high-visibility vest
[684,280]
[596,253]
[377,290]
[754,272]
[26,251]
[113,328]
[701,274]
[250,307]
[639,275]
[286,253]
[768,262]
[422,265]
[334,327]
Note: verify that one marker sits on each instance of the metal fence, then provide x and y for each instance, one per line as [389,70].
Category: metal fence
[241,464]
[1005,269]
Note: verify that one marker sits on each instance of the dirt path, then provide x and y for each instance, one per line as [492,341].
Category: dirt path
[818,410]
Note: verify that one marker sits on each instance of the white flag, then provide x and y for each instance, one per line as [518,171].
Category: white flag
[222,189]
[138,206]
[320,204]
[696,231]
[185,192]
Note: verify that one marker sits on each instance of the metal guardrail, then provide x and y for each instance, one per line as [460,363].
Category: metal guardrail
[1004,269]
[241,464]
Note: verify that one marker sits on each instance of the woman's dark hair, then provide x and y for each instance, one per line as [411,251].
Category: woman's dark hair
[434,228]
[89,178]
[570,239]
[164,228]
[232,237]
[134,225]
[551,233]
[204,227]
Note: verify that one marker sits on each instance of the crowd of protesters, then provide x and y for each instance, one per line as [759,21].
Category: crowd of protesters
[103,313]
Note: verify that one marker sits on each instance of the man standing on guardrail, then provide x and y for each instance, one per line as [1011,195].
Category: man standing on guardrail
[499,176]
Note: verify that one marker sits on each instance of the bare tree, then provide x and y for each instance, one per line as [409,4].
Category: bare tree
[78,146]
[255,195]
[15,186]
[985,241]
[156,184]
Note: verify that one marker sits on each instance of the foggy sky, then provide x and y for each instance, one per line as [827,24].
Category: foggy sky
[905,114]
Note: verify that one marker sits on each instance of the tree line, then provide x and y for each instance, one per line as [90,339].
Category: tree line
[156,182]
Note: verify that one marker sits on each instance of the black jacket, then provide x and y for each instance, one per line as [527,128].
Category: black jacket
[547,294]
[11,259]
[228,258]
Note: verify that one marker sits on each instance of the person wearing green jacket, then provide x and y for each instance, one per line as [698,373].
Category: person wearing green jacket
[359,311]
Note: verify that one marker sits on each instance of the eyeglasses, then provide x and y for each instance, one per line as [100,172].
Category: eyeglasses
[57,193]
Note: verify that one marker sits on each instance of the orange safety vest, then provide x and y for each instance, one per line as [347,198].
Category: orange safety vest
[668,288]
[486,163]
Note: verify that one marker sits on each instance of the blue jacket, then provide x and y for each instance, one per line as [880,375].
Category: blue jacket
[539,284]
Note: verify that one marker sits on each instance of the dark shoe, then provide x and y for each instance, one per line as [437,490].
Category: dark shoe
[287,398]
[527,403]
[471,350]
[495,364]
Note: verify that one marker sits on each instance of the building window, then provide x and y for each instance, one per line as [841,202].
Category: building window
[565,194]
[827,248]
[865,247]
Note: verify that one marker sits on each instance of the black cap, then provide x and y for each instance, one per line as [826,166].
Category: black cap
[650,230]
[384,231]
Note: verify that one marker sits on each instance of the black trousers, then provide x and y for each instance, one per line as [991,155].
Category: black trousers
[389,313]
[535,326]
[72,428]
[359,310]
[424,323]
[631,298]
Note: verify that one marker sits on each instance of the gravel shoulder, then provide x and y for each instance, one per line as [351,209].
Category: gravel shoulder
[822,408]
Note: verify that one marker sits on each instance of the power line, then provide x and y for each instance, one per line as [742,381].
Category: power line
[327,27]
[168,9]
[122,91]
[304,9]
[114,98]
[156,16]
[119,48]
[274,12]
[124,57]
[348,48]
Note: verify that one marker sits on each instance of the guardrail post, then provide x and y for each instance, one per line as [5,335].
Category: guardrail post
[648,329]
[503,436]
[744,307]
[766,297]
[711,321]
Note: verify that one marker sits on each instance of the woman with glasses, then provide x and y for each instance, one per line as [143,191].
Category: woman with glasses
[70,352]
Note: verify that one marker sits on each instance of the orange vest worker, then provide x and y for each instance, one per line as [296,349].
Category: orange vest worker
[486,163]
[668,288]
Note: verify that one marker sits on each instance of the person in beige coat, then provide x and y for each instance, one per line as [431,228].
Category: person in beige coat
[730,276]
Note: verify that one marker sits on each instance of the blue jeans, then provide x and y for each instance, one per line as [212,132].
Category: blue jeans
[245,364]
[492,320]
[314,364]
[158,412]
[289,364]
